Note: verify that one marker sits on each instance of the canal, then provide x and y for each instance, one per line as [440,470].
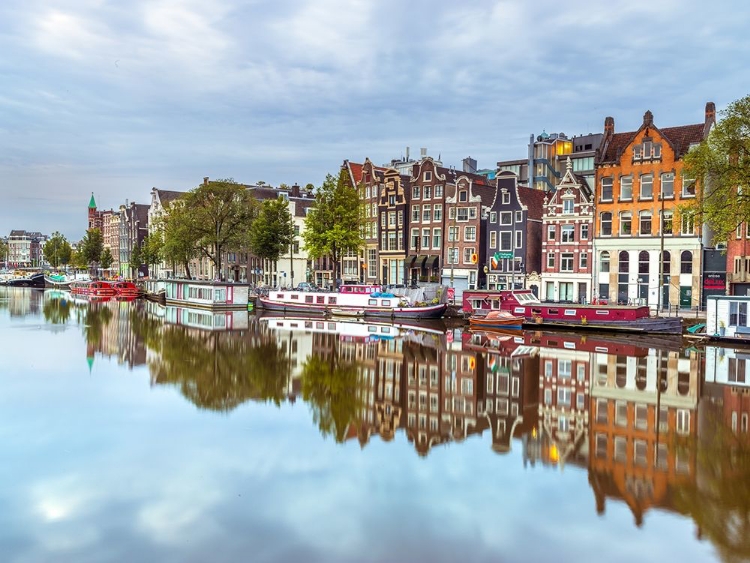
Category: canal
[135,432]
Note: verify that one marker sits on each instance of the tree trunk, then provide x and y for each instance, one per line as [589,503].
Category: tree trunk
[187,270]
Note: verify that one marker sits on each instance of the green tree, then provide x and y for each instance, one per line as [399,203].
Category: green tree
[272,231]
[57,250]
[92,247]
[722,165]
[3,251]
[136,259]
[218,218]
[107,259]
[152,249]
[78,260]
[333,224]
[180,245]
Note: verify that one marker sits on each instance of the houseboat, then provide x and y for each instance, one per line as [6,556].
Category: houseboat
[93,288]
[205,294]
[367,305]
[127,289]
[36,281]
[727,318]
[349,330]
[207,320]
[538,315]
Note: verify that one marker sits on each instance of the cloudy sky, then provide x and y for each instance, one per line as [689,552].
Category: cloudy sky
[117,96]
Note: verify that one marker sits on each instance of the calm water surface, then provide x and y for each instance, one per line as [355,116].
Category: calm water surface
[130,432]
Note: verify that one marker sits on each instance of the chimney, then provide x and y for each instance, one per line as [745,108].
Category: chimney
[648,118]
[205,180]
[295,190]
[710,118]
[609,126]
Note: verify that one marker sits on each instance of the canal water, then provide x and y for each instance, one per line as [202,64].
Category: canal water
[134,432]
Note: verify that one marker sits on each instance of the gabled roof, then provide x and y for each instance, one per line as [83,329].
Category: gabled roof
[533,199]
[167,196]
[680,138]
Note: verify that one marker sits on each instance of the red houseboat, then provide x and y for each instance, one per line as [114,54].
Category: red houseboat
[95,288]
[570,315]
[126,289]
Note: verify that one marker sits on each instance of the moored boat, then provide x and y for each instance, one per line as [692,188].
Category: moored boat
[572,315]
[496,319]
[126,289]
[375,305]
[93,288]
[35,281]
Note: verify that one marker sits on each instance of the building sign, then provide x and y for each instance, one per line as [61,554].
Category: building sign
[715,281]
[500,255]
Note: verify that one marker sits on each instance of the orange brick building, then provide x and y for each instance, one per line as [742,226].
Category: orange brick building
[639,232]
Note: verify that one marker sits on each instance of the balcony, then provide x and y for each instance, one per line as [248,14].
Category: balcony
[739,277]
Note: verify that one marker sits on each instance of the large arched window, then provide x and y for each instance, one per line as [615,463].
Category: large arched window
[623,270]
[686,262]
[604,261]
[643,274]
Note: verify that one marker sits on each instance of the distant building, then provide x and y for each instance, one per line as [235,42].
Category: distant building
[25,249]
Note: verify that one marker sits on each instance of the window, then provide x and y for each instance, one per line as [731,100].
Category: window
[639,452]
[439,191]
[493,239]
[621,413]
[605,224]
[563,396]
[551,232]
[427,176]
[604,262]
[437,212]
[687,224]
[392,219]
[452,213]
[568,206]
[425,238]
[601,446]
[667,185]
[666,224]
[519,239]
[584,260]
[584,232]
[601,411]
[606,194]
[567,233]
[550,260]
[644,223]
[463,214]
[427,192]
[641,417]
[647,186]
[686,262]
[626,188]
[468,252]
[620,448]
[382,219]
[688,187]
[737,317]
[470,234]
[472,212]
[505,198]
[415,239]
[453,234]
[519,216]
[426,213]
[463,195]
[437,236]
[683,421]
[400,218]
[626,219]
[453,255]
[566,262]
[493,217]
[506,241]
[506,218]
[415,192]
[372,255]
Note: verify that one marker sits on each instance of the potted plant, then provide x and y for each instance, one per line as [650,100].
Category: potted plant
[722,328]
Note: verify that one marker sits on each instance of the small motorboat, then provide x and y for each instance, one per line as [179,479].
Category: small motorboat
[496,319]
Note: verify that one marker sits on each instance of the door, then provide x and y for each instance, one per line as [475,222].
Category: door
[686,294]
[582,292]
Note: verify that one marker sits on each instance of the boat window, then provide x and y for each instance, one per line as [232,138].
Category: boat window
[372,301]
[332,326]
[320,299]
[320,325]
[295,296]
[308,298]
[536,311]
[570,312]
[519,310]
[385,302]
[372,329]
[308,324]
[331,300]
[553,312]
[279,296]
[600,312]
[386,330]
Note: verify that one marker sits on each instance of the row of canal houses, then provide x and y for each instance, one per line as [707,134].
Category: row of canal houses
[616,234]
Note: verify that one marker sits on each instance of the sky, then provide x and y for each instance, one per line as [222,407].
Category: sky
[118,96]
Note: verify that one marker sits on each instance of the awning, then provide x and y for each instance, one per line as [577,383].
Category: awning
[410,260]
[420,260]
[432,262]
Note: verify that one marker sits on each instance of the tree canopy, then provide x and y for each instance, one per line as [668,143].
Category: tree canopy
[107,259]
[92,246]
[3,250]
[179,244]
[273,230]
[217,217]
[722,165]
[57,250]
[333,224]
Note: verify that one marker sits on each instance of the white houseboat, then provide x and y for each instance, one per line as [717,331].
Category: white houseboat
[727,318]
[206,294]
[203,319]
[351,304]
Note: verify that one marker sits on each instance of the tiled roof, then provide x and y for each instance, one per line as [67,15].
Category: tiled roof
[679,137]
[167,196]
[533,199]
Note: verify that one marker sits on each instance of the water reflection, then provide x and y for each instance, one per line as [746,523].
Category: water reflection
[648,428]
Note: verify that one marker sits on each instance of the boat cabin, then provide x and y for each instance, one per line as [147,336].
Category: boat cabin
[726,316]
[360,289]
[207,294]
